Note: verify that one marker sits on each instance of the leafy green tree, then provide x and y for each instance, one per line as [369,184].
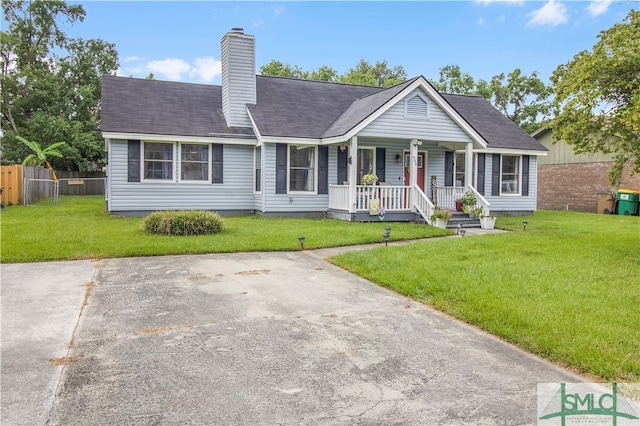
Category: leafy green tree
[279,69]
[597,95]
[522,98]
[51,83]
[39,155]
[379,75]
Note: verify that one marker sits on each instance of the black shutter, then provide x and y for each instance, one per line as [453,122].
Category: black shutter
[525,175]
[380,163]
[480,174]
[495,175]
[448,168]
[342,166]
[133,161]
[323,170]
[218,163]
[281,168]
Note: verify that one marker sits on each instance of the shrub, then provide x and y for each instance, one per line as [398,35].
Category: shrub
[191,222]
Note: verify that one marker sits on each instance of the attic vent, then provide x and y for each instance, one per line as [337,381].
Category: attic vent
[416,107]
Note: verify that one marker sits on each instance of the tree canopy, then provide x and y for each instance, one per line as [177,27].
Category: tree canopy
[51,83]
[522,98]
[363,73]
[597,96]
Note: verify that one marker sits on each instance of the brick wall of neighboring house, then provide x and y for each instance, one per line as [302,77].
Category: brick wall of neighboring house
[574,186]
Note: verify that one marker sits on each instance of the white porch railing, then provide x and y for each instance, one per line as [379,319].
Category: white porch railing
[392,198]
[447,196]
[424,206]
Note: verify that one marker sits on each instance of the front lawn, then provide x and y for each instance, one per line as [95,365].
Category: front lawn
[78,228]
[567,288]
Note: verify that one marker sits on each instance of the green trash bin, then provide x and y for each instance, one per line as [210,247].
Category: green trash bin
[627,202]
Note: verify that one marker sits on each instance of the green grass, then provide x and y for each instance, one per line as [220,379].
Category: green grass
[78,228]
[566,289]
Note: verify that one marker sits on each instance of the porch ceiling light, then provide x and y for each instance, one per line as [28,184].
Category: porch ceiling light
[416,142]
[301,241]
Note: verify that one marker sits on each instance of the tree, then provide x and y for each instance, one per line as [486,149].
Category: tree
[51,83]
[523,99]
[279,69]
[39,156]
[379,75]
[597,95]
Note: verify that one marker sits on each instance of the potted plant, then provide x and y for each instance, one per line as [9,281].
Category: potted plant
[440,217]
[475,212]
[369,179]
[487,222]
[468,201]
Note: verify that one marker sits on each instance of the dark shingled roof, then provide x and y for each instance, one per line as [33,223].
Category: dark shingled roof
[285,107]
[491,124]
[133,105]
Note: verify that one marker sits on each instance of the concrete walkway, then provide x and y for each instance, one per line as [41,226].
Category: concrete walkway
[259,338]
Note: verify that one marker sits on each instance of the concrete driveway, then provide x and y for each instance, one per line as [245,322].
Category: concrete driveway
[265,338]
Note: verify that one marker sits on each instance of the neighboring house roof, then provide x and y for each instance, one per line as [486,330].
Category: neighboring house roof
[285,107]
[495,128]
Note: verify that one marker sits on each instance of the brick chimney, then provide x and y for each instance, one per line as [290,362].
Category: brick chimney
[238,76]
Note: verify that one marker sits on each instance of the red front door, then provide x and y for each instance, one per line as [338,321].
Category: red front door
[421,167]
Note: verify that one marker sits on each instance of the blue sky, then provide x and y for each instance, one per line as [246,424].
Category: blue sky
[179,40]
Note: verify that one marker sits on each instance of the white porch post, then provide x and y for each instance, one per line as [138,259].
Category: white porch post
[413,173]
[468,166]
[353,173]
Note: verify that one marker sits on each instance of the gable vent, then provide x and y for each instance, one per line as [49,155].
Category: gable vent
[417,107]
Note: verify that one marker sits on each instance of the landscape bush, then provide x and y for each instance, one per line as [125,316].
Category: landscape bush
[183,223]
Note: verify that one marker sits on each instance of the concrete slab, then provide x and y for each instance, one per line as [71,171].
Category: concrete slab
[280,338]
[40,305]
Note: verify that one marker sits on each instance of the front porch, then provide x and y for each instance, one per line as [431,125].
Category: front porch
[395,203]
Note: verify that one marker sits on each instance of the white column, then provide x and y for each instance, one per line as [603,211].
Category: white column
[413,171]
[468,165]
[353,173]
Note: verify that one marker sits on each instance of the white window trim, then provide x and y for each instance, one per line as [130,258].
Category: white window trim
[315,171]
[178,158]
[416,117]
[255,150]
[173,163]
[509,194]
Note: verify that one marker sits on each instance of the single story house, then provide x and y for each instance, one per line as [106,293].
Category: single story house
[570,181]
[281,146]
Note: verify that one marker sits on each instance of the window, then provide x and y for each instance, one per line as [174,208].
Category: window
[302,168]
[257,169]
[194,162]
[510,175]
[158,161]
[460,168]
[366,158]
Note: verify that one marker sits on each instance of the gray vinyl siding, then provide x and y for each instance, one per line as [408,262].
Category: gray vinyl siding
[439,126]
[236,193]
[515,203]
[238,78]
[295,202]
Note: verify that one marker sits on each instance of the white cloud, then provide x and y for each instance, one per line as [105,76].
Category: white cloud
[171,68]
[481,21]
[206,68]
[598,7]
[501,18]
[552,13]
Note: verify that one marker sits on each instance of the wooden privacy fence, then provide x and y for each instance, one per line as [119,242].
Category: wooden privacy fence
[25,184]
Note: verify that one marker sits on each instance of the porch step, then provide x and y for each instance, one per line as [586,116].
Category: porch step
[462,219]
